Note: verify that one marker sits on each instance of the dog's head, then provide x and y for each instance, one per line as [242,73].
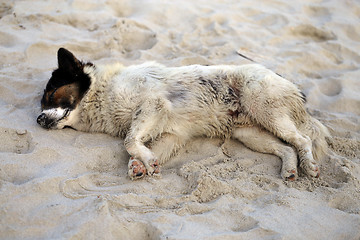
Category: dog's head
[64,91]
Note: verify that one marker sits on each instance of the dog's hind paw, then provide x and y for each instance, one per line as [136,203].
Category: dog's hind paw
[136,169]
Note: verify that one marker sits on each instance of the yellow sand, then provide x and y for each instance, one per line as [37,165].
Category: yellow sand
[72,185]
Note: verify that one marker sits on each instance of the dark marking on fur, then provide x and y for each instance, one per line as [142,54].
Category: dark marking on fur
[303,97]
[176,94]
[137,113]
[233,114]
[230,97]
[68,84]
[211,85]
[222,91]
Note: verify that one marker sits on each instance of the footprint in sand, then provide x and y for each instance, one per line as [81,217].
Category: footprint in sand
[7,40]
[16,141]
[312,32]
[330,87]
[127,36]
[135,36]
[5,9]
[318,12]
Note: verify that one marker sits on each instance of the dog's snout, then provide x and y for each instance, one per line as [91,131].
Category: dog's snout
[44,121]
[41,118]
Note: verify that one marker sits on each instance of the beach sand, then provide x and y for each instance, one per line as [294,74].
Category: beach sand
[66,184]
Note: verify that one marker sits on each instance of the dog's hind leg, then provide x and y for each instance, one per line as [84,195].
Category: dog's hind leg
[284,128]
[263,141]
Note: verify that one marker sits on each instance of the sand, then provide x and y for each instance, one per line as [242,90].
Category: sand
[72,185]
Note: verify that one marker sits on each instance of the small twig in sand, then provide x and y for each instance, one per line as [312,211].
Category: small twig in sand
[242,55]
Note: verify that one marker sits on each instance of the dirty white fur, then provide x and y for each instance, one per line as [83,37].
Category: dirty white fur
[153,105]
[55,113]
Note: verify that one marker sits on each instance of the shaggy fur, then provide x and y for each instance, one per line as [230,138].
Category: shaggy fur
[165,107]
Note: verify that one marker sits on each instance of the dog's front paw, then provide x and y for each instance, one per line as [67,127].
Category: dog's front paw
[310,168]
[289,175]
[153,167]
[136,169]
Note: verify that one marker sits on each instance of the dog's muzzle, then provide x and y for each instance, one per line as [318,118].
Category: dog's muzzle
[44,121]
[51,117]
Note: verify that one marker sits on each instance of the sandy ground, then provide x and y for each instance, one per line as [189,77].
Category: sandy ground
[73,185]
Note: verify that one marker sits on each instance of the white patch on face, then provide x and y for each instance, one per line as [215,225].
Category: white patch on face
[55,113]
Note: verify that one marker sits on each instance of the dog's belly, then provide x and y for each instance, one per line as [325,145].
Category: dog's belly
[195,122]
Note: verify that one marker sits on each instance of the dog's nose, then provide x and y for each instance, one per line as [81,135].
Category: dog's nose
[41,119]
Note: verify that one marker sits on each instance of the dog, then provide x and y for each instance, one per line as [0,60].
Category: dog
[158,109]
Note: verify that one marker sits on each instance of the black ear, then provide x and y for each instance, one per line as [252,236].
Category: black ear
[68,61]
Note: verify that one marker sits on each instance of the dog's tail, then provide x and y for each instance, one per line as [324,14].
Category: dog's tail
[318,134]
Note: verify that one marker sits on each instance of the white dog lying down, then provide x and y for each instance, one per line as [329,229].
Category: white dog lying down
[157,109]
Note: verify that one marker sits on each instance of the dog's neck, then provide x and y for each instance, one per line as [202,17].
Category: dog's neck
[94,107]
